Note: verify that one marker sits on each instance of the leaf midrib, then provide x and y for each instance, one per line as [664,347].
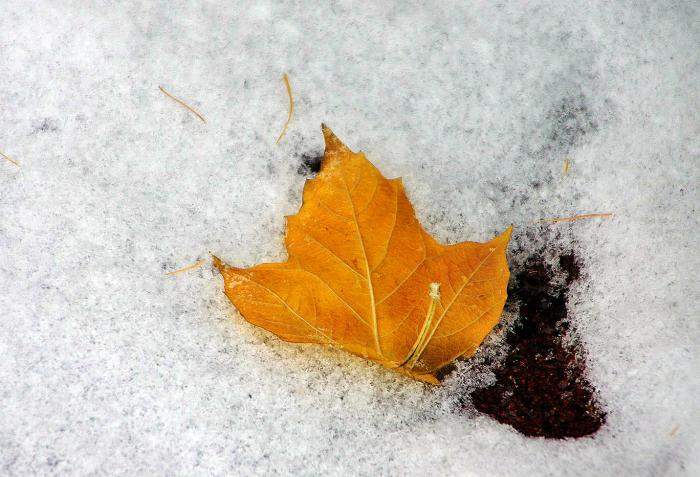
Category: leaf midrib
[370,286]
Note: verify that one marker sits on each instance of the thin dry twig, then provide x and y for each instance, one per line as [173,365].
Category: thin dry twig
[187,269]
[566,166]
[577,217]
[182,103]
[5,156]
[291,108]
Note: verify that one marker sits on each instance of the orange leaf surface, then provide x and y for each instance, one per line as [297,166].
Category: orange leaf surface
[362,275]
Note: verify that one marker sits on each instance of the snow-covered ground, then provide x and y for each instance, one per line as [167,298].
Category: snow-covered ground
[111,367]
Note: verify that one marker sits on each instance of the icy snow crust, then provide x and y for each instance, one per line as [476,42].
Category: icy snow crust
[111,367]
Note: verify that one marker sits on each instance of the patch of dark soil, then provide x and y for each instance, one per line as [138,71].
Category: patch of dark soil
[310,164]
[542,390]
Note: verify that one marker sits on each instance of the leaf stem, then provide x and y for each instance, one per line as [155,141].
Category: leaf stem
[434,294]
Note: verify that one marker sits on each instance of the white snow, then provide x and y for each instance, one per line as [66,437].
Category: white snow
[111,367]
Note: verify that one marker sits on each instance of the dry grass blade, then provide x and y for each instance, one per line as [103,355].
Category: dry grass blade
[183,104]
[187,269]
[9,159]
[577,217]
[291,108]
[566,167]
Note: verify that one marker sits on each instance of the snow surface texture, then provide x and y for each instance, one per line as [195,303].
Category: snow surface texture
[111,367]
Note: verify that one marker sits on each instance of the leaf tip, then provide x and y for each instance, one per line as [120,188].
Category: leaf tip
[504,237]
[333,144]
[428,378]
[508,232]
[218,263]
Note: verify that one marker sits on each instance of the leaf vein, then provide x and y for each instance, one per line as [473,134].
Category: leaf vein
[335,255]
[393,228]
[273,293]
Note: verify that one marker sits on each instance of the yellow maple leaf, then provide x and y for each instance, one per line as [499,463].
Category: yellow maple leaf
[363,275]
